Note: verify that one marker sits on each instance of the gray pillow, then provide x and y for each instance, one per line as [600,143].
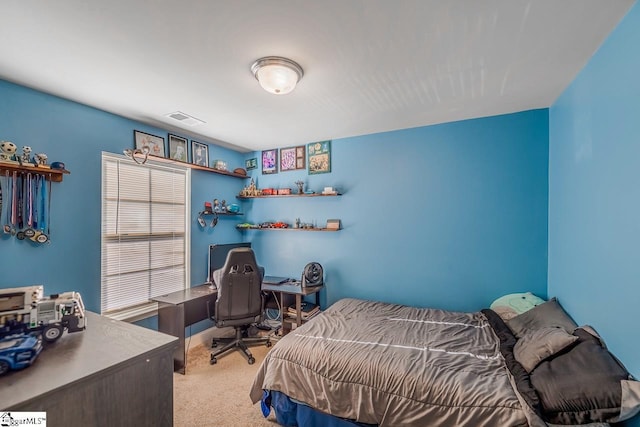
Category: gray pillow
[536,346]
[546,315]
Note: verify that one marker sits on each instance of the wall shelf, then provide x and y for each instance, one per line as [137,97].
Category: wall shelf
[221,213]
[289,195]
[54,175]
[264,228]
[192,166]
[286,229]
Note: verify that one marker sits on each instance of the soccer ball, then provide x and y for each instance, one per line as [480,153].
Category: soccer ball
[8,149]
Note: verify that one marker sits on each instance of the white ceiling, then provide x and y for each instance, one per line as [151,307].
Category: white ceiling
[370,65]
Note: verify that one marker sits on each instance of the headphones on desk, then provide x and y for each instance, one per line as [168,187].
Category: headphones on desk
[312,275]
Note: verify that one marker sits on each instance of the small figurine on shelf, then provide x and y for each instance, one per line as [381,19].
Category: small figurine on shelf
[297,224]
[223,206]
[220,165]
[41,159]
[300,185]
[251,190]
[7,151]
[26,155]
[216,205]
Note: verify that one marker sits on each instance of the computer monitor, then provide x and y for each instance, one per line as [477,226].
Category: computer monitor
[218,256]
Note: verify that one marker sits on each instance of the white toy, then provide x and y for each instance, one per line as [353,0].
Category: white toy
[41,159]
[26,154]
[7,150]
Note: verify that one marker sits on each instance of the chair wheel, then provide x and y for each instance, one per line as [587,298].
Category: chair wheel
[252,360]
[214,344]
[213,360]
[268,344]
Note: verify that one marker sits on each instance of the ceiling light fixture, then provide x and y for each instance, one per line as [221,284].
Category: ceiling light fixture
[277,75]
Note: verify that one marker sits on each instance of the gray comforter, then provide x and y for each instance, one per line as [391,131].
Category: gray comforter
[395,365]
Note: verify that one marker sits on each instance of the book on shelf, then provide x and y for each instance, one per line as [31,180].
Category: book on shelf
[304,317]
[307,310]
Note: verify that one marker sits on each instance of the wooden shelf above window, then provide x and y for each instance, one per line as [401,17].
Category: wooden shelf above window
[193,166]
[54,175]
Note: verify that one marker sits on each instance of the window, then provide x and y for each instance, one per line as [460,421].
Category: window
[145,235]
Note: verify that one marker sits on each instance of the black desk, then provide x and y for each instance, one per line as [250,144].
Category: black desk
[298,292]
[180,309]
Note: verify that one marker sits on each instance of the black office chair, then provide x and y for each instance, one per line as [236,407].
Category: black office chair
[240,301]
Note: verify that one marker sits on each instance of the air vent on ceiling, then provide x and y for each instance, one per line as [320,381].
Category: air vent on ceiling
[185,119]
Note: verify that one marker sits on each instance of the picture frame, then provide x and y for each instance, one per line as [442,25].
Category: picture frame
[251,164]
[178,148]
[199,153]
[154,143]
[287,159]
[269,161]
[300,157]
[292,158]
[319,157]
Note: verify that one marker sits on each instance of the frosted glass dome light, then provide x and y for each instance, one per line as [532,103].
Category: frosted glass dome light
[277,75]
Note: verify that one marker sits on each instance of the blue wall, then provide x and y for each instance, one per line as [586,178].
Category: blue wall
[76,135]
[594,196]
[450,216]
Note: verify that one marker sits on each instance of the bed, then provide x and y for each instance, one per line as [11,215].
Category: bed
[372,363]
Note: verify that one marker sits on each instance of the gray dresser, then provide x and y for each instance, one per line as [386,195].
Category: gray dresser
[111,374]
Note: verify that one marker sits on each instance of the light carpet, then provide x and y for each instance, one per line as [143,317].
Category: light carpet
[218,395]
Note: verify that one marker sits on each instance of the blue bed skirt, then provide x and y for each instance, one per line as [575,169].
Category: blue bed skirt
[290,413]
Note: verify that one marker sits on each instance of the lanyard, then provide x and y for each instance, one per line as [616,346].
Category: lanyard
[14,202]
[35,201]
[29,201]
[25,206]
[43,218]
[6,201]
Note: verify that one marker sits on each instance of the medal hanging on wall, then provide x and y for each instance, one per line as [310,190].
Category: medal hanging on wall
[21,204]
[30,232]
[3,203]
[13,220]
[42,231]
[6,203]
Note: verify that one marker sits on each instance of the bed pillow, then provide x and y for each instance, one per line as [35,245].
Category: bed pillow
[509,306]
[585,384]
[536,346]
[546,315]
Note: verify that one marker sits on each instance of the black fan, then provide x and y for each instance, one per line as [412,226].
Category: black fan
[312,275]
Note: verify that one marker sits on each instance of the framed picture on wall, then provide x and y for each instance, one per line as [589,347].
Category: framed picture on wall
[300,157]
[287,159]
[199,153]
[178,148]
[319,157]
[292,158]
[270,161]
[251,164]
[154,143]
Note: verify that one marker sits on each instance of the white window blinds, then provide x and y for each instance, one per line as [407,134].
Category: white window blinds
[144,233]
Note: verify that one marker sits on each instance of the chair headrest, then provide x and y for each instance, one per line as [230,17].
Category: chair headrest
[240,260]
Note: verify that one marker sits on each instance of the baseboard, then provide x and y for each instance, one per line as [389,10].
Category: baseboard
[205,337]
